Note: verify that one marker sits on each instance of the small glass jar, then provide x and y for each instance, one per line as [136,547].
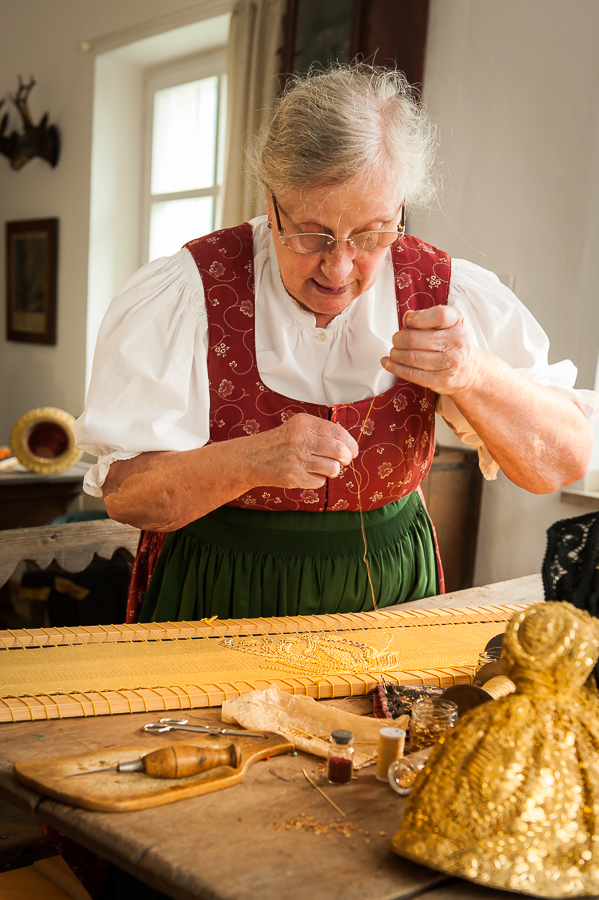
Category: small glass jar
[340,764]
[403,773]
[430,719]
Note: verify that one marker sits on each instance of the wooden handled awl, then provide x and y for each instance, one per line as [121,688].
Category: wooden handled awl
[177,762]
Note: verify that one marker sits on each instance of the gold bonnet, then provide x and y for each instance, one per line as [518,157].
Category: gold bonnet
[510,797]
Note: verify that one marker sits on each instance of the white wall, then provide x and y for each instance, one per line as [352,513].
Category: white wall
[513,88]
[44,39]
[115,193]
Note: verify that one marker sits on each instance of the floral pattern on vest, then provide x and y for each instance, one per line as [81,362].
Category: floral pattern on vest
[396,433]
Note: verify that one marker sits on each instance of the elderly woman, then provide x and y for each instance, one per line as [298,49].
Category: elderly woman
[266,396]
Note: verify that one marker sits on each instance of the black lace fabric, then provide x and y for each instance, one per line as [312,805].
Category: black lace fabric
[571,564]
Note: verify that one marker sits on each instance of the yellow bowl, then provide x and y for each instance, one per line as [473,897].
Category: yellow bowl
[43,440]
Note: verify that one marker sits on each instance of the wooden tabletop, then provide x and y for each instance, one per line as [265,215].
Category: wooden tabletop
[223,846]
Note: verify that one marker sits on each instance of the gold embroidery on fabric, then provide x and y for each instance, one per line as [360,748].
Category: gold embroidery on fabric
[324,654]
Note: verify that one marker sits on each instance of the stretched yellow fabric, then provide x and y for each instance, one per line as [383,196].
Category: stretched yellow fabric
[51,673]
[510,797]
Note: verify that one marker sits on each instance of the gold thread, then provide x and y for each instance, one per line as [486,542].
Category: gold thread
[68,633]
[123,694]
[359,489]
[169,692]
[142,697]
[289,685]
[55,701]
[151,698]
[29,705]
[245,627]
[188,695]
[9,707]
[30,634]
[218,631]
[143,636]
[299,627]
[48,635]
[79,698]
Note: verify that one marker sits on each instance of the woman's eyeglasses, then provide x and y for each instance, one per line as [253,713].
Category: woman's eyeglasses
[315,242]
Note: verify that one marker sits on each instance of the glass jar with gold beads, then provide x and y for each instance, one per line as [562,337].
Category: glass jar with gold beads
[430,719]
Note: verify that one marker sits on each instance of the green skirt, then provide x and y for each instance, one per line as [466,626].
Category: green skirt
[235,563]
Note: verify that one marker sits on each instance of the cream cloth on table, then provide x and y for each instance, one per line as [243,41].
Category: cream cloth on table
[306,723]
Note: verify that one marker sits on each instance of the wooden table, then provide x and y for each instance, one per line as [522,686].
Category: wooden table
[28,498]
[222,846]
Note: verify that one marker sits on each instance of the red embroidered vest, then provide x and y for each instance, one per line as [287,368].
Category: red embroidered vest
[396,435]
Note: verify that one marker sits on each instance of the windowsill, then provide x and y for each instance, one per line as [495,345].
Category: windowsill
[588,499]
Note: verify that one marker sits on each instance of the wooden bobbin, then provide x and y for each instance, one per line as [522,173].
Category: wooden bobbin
[391,746]
[500,686]
[468,696]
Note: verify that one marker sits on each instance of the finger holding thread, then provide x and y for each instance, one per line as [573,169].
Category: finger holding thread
[374,396]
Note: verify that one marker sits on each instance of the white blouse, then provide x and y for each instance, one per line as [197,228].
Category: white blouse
[149,387]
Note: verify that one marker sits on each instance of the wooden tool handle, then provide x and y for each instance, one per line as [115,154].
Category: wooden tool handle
[182,760]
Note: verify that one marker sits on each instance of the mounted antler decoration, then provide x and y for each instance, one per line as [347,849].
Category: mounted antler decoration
[35,140]
[8,142]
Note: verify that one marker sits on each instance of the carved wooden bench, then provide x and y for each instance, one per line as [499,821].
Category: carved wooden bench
[68,547]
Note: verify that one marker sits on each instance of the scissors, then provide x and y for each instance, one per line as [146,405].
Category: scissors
[182,725]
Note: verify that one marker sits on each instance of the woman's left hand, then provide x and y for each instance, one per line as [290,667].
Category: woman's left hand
[539,437]
[433,350]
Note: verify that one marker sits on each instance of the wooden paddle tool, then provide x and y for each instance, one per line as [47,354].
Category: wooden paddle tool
[181,769]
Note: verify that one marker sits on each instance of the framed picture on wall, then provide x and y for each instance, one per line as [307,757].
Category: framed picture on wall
[31,279]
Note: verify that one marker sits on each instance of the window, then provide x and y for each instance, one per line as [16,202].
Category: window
[185,113]
[125,81]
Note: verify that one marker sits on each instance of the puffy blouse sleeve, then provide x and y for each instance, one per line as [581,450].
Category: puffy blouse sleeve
[149,387]
[498,322]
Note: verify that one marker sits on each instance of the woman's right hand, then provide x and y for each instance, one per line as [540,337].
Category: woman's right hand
[164,490]
[302,453]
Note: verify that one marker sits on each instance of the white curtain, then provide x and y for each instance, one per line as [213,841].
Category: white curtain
[256,33]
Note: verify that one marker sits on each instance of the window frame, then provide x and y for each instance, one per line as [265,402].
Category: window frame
[205,65]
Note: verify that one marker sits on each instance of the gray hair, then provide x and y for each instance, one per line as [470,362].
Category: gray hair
[329,126]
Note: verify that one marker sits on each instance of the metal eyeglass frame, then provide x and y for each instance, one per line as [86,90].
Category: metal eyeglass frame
[330,240]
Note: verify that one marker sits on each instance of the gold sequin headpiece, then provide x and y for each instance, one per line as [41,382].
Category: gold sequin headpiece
[510,797]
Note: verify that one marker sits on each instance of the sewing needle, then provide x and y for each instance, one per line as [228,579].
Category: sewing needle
[328,799]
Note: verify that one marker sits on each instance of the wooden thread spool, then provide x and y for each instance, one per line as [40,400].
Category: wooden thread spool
[500,686]
[391,747]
